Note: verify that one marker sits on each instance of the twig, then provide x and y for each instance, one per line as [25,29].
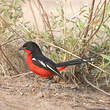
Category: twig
[13,30]
[99,24]
[47,19]
[21,75]
[40,12]
[92,34]
[97,10]
[14,68]
[90,18]
[3,70]
[30,5]
[10,41]
[86,30]
[64,17]
[107,19]
[95,86]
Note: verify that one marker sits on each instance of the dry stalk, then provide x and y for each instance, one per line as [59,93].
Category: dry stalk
[35,20]
[101,22]
[106,93]
[46,19]
[10,64]
[13,30]
[21,75]
[89,83]
[94,32]
[4,72]
[6,58]
[10,41]
[86,30]
[97,9]
[64,19]
[106,19]
[89,20]
[40,12]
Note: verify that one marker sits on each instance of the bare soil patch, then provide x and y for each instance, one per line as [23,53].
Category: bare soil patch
[21,94]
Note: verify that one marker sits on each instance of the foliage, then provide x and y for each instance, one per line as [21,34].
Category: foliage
[12,18]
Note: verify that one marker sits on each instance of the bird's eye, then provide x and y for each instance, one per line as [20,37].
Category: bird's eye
[24,46]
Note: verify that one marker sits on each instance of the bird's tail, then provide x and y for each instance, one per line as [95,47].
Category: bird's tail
[73,62]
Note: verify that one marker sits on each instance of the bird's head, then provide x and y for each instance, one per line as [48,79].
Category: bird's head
[30,47]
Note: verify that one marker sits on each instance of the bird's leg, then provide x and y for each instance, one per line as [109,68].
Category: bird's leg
[43,91]
[47,85]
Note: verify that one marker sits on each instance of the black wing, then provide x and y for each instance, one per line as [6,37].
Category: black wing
[44,62]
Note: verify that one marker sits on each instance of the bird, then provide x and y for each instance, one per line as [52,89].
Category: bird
[44,67]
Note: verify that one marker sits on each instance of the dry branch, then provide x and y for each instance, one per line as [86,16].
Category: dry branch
[106,93]
[10,64]
[103,13]
[86,43]
[10,41]
[13,30]
[89,20]
[35,20]
[45,18]
[40,12]
[86,30]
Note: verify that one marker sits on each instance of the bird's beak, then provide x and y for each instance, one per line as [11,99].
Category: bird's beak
[21,48]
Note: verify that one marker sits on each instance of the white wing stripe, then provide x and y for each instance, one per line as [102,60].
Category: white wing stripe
[42,63]
[45,65]
[34,59]
[52,69]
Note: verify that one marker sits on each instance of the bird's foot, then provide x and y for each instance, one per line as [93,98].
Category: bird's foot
[42,94]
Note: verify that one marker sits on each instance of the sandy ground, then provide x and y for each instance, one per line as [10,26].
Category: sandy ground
[22,94]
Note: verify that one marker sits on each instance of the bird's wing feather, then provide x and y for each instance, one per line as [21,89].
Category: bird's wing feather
[48,65]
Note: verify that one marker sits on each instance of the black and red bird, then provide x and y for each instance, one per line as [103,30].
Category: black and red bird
[43,66]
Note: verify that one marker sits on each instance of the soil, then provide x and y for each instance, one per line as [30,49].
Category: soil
[21,93]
